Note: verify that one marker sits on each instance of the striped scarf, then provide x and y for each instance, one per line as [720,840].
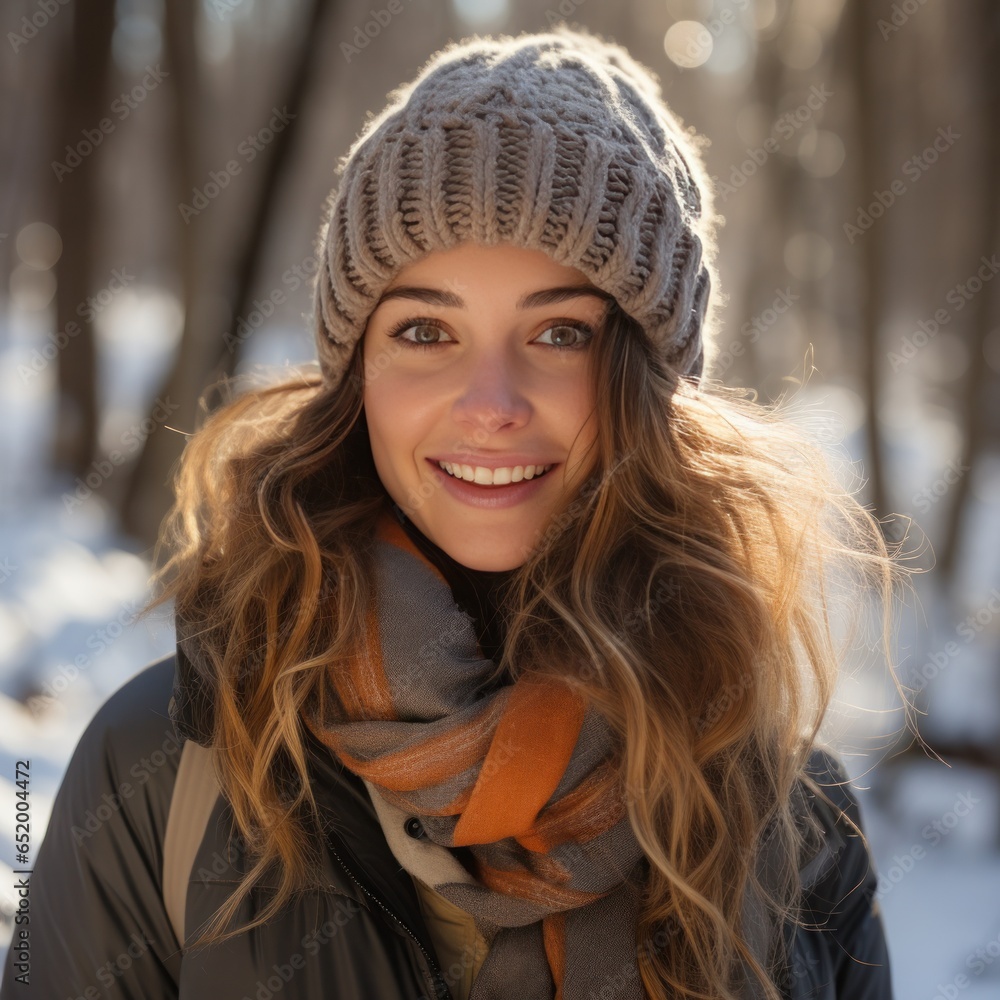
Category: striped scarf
[517,788]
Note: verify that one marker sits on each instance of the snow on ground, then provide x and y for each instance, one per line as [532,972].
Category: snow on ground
[70,641]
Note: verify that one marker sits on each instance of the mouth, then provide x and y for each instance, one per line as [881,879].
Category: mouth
[493,478]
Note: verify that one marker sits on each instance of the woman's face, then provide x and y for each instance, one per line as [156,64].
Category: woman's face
[504,384]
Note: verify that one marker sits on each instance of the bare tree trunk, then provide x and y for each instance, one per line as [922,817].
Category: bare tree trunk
[137,516]
[251,248]
[859,30]
[203,356]
[84,71]
[986,28]
[771,211]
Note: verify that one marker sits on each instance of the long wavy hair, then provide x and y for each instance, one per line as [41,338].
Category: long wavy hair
[688,587]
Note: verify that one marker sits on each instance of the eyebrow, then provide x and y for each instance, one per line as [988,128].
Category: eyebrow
[531,300]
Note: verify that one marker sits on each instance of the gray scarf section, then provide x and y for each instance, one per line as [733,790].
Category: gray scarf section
[438,679]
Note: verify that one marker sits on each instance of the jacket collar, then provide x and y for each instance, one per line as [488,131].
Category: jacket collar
[366,869]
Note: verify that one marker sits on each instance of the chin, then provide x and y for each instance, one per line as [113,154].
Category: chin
[492,561]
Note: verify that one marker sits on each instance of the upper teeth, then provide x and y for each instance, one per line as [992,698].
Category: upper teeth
[499,477]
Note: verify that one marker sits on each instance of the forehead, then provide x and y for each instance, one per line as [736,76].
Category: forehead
[500,275]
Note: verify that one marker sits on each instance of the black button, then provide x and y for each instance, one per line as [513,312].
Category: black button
[414,828]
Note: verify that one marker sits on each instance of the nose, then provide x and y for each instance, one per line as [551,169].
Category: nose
[492,396]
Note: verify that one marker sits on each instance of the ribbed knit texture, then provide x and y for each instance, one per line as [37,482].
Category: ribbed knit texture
[557,141]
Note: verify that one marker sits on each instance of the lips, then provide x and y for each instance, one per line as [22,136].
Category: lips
[488,496]
[510,481]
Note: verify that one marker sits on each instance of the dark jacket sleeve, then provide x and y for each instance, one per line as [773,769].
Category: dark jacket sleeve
[845,900]
[96,922]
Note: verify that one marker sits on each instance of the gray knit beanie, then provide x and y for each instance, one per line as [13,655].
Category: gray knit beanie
[556,141]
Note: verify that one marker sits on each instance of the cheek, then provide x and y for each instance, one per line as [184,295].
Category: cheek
[397,398]
[398,412]
[572,402]
[573,411]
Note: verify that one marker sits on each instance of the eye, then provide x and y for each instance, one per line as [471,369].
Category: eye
[566,330]
[416,324]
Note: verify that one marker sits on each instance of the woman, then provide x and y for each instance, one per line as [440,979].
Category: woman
[509,637]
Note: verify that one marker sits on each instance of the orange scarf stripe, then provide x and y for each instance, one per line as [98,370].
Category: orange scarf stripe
[554,939]
[551,869]
[363,687]
[525,762]
[589,810]
[434,760]
[526,885]
[388,529]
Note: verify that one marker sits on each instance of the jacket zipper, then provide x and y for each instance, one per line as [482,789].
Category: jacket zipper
[437,979]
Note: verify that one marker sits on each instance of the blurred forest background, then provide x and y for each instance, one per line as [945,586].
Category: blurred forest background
[163,172]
